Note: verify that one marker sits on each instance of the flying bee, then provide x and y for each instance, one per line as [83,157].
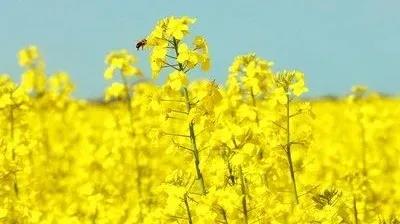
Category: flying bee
[141,44]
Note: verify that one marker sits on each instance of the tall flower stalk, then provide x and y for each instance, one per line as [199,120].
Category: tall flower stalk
[169,51]
[289,86]
[122,62]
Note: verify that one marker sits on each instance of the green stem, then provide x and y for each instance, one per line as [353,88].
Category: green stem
[12,127]
[185,200]
[253,99]
[192,135]
[175,42]
[13,154]
[231,177]
[355,210]
[289,151]
[94,216]
[244,200]
[194,146]
[224,216]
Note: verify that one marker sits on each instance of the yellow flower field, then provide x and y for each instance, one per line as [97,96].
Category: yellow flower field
[251,150]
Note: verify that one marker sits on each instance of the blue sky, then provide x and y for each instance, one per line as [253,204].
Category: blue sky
[336,43]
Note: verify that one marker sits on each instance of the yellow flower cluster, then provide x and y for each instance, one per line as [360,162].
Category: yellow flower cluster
[166,42]
[123,61]
[249,151]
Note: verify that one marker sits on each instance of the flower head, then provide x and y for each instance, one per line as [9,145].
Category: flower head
[123,61]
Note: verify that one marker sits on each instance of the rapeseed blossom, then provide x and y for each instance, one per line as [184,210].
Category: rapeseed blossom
[252,150]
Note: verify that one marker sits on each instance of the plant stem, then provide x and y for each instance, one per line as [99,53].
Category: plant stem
[13,154]
[192,135]
[289,151]
[175,43]
[231,177]
[224,216]
[355,210]
[194,146]
[253,99]
[244,201]
[12,125]
[185,200]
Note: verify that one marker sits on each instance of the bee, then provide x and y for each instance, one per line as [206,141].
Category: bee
[141,44]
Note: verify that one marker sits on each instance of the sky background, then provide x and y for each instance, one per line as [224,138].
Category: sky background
[336,43]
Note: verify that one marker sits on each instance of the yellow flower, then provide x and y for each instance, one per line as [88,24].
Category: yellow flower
[280,95]
[209,95]
[179,27]
[299,87]
[60,83]
[166,41]
[115,91]
[3,213]
[28,56]
[177,80]
[186,56]
[157,59]
[251,73]
[34,80]
[205,63]
[123,61]
[156,37]
[200,44]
